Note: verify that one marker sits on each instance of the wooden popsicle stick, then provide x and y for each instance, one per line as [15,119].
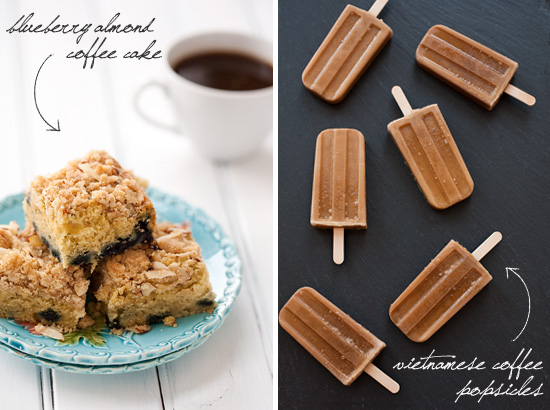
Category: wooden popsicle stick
[401,100]
[520,95]
[487,245]
[338,246]
[382,378]
[377,7]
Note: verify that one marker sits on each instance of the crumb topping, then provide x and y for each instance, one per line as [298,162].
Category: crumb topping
[85,322]
[27,263]
[174,261]
[96,178]
[170,321]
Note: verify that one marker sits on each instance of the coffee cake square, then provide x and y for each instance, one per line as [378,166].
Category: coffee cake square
[154,282]
[34,286]
[90,209]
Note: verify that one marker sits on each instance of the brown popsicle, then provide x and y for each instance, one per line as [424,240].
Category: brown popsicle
[430,151]
[349,48]
[339,190]
[471,68]
[337,341]
[450,281]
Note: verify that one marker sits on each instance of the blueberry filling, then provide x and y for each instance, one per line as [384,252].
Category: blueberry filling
[113,324]
[142,233]
[205,302]
[152,319]
[83,258]
[49,315]
[52,249]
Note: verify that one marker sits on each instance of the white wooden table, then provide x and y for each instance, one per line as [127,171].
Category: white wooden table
[234,368]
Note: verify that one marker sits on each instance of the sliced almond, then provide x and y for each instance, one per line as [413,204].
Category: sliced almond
[161,276]
[49,332]
[146,288]
[88,170]
[171,244]
[159,265]
[4,251]
[174,234]
[174,267]
[181,271]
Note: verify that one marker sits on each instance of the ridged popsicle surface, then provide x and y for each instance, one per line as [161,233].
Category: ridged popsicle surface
[351,45]
[450,281]
[430,151]
[473,69]
[338,342]
[339,186]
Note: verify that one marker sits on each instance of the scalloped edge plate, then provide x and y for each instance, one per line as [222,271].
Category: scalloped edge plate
[223,265]
[108,369]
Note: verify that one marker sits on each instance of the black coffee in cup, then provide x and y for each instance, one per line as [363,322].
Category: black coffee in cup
[226,71]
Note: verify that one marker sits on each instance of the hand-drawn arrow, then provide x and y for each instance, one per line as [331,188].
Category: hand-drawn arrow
[513,270]
[52,128]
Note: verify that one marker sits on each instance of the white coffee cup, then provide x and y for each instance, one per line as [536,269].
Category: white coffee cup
[223,124]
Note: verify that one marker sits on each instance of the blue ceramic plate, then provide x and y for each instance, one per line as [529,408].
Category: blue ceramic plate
[113,369]
[96,346]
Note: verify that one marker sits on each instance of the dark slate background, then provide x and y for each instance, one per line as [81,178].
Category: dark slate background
[508,155]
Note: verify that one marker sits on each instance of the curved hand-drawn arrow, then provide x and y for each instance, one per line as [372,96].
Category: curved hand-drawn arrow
[513,270]
[52,128]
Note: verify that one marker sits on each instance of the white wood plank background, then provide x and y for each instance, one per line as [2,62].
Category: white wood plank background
[234,368]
